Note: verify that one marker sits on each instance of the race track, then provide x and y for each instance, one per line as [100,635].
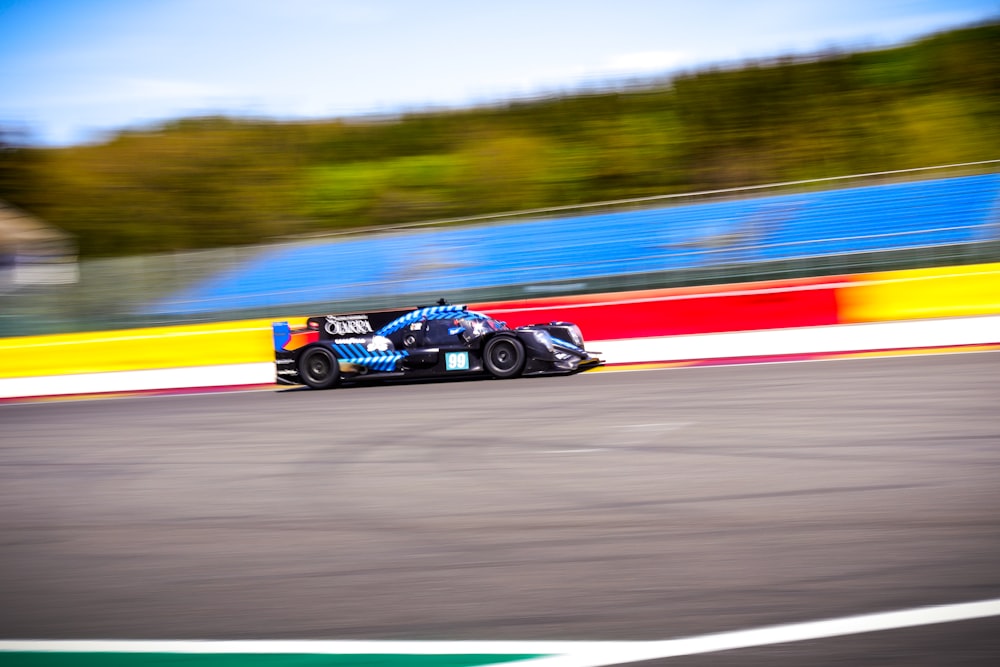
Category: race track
[627,505]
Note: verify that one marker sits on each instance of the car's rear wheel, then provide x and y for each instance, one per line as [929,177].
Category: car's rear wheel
[504,357]
[319,368]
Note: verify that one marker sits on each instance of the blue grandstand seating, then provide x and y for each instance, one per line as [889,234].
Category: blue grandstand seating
[788,226]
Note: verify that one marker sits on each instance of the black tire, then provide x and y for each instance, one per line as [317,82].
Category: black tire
[319,368]
[504,357]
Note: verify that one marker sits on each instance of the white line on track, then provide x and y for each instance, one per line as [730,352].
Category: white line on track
[777,634]
[559,653]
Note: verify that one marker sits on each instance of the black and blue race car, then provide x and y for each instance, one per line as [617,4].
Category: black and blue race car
[437,341]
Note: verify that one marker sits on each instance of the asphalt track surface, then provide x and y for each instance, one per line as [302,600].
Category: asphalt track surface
[604,506]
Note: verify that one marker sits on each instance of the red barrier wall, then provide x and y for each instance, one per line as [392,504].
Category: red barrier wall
[687,310]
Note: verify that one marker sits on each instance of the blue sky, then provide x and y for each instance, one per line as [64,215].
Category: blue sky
[73,69]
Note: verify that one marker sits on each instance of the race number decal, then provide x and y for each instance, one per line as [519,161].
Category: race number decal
[456,361]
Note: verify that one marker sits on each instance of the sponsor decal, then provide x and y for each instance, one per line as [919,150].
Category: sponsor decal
[287,371]
[350,341]
[284,361]
[379,344]
[343,325]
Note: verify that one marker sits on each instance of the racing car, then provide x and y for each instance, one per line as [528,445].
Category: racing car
[437,341]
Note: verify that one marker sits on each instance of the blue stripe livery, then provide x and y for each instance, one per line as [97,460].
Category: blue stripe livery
[430,313]
[377,361]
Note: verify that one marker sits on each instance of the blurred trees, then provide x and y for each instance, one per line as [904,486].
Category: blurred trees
[21,170]
[207,182]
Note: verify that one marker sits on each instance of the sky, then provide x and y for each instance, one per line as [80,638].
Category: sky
[72,71]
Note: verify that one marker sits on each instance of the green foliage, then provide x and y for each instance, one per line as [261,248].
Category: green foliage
[381,191]
[206,182]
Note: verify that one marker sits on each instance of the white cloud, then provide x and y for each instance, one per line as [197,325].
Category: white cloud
[613,67]
[166,89]
[116,91]
[645,62]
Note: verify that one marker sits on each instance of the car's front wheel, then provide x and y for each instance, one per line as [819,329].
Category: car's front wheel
[319,368]
[504,357]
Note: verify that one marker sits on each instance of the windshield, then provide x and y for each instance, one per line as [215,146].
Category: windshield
[477,324]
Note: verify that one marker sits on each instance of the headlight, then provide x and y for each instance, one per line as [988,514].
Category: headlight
[574,332]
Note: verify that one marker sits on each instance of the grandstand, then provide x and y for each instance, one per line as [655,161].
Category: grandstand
[606,249]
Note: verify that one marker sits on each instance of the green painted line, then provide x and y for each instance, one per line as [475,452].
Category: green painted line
[100,659]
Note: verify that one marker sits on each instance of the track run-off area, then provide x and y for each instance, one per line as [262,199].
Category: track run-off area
[823,513]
